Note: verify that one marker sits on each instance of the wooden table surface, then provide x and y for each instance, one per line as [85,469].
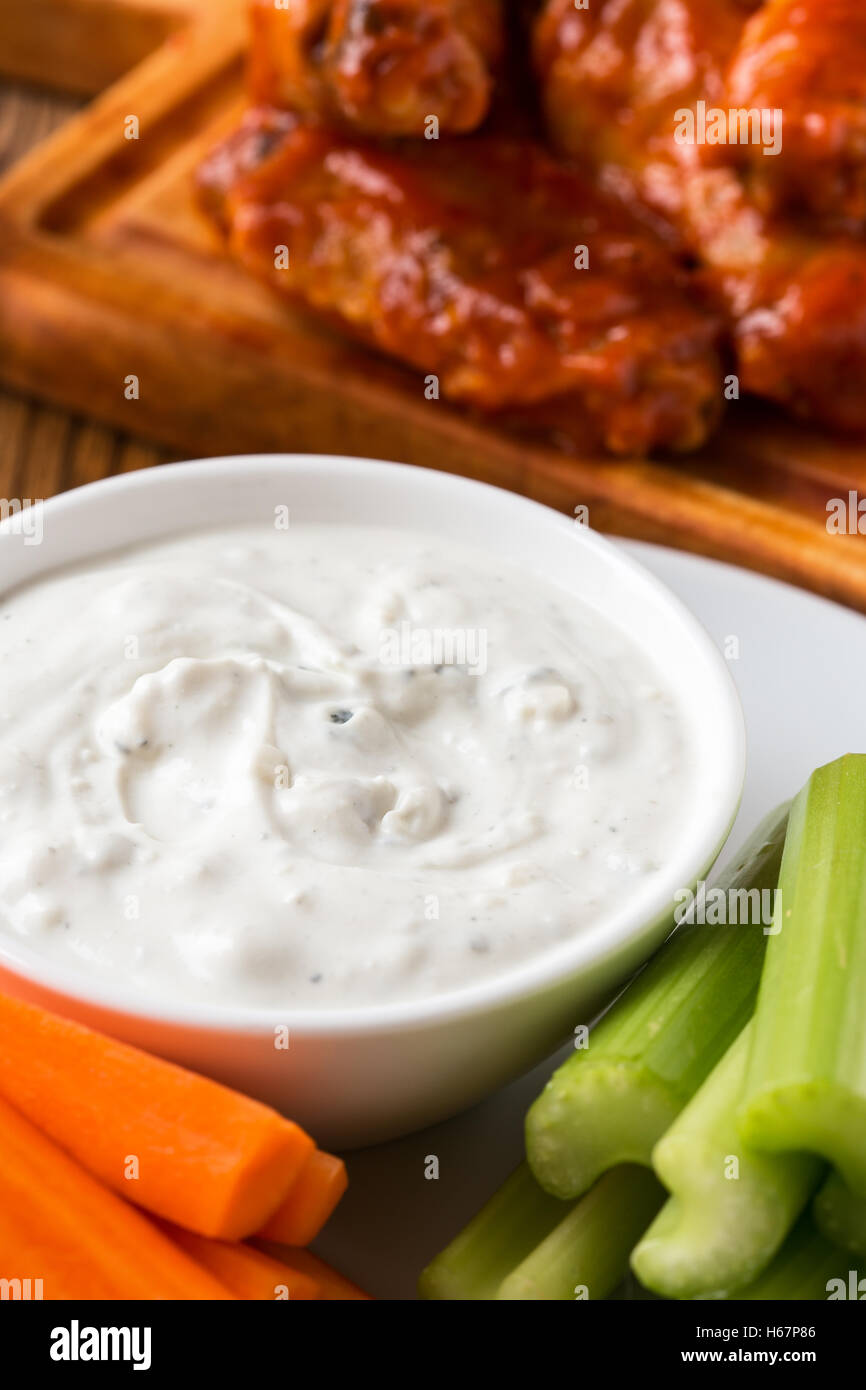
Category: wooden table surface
[44,450]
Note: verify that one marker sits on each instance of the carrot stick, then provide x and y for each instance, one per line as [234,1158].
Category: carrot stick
[173,1142]
[58,1224]
[247,1272]
[310,1201]
[335,1288]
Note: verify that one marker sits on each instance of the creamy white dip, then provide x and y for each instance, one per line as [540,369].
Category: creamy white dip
[322,766]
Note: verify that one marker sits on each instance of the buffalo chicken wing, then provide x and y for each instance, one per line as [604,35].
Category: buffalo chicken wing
[765,228]
[807,60]
[381,67]
[612,77]
[483,262]
[796,302]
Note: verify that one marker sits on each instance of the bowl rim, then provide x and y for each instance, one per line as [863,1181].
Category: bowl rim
[534,976]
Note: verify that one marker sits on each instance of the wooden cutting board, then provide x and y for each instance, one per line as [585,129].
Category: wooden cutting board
[108,272]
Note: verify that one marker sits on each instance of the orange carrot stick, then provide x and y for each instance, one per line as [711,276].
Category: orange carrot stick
[59,1225]
[173,1142]
[247,1272]
[335,1287]
[310,1201]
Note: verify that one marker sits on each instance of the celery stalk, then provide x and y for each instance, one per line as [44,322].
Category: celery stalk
[840,1216]
[731,1208]
[806,1078]
[512,1223]
[610,1103]
[586,1255]
[804,1269]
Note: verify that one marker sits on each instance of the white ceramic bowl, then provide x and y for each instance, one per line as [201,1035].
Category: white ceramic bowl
[357,1076]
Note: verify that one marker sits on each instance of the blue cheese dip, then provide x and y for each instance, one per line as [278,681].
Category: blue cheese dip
[325,766]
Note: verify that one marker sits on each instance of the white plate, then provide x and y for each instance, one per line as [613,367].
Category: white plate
[801,673]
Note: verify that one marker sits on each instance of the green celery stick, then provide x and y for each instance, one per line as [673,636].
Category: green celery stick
[731,1208]
[610,1103]
[804,1269]
[840,1216]
[586,1255]
[513,1222]
[806,1078]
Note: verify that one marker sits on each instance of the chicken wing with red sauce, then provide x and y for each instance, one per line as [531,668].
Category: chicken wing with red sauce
[381,67]
[806,59]
[613,76]
[460,259]
[616,79]
[796,302]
